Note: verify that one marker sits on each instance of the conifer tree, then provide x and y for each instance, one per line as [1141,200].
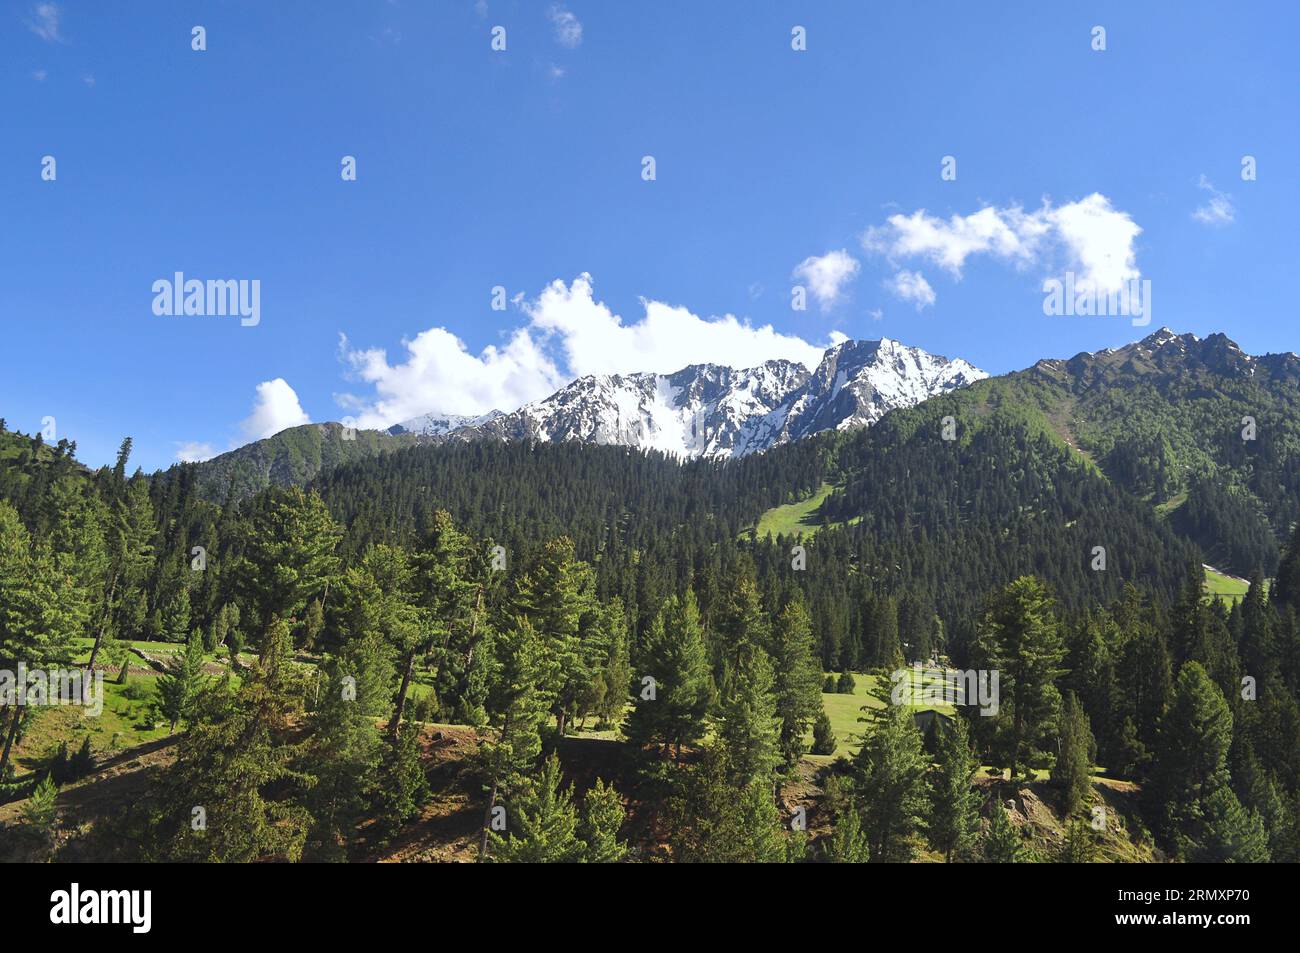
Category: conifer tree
[1191,759]
[1072,771]
[1079,846]
[542,825]
[554,595]
[1020,639]
[234,754]
[824,740]
[403,787]
[130,554]
[710,819]
[288,543]
[798,677]
[749,726]
[598,825]
[673,655]
[953,825]
[1002,841]
[517,705]
[42,612]
[889,773]
[848,841]
[345,749]
[180,685]
[40,812]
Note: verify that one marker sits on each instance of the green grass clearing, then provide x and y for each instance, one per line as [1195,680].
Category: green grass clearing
[792,518]
[1224,586]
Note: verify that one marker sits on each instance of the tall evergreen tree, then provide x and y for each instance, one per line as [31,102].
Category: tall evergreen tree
[1072,771]
[749,726]
[798,679]
[1020,639]
[890,770]
[953,824]
[673,655]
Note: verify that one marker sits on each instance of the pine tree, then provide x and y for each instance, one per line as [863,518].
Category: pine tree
[288,551]
[176,616]
[1080,844]
[542,822]
[130,555]
[1191,759]
[554,595]
[1072,771]
[40,812]
[848,841]
[1019,638]
[182,682]
[749,728]
[403,787]
[798,676]
[598,825]
[377,600]
[710,819]
[673,655]
[235,752]
[346,750]
[890,771]
[42,612]
[953,825]
[517,706]
[1002,841]
[824,740]
[1228,833]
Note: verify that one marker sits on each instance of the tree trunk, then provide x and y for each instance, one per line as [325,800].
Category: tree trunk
[396,720]
[103,626]
[9,738]
[487,822]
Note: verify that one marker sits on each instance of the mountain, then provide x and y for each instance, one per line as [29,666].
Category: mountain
[1163,420]
[292,457]
[438,425]
[707,410]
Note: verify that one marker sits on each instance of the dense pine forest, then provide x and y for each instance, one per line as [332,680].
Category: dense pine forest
[561,652]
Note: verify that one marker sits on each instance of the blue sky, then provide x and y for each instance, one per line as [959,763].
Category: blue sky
[523,169]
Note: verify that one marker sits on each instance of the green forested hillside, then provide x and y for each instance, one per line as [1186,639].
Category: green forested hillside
[290,458]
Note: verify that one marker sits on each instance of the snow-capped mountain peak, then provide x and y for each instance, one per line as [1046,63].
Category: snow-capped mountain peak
[714,411]
[437,425]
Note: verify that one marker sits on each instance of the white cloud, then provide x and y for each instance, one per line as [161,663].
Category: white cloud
[45,22]
[275,408]
[594,340]
[826,276]
[912,286]
[88,79]
[568,334]
[194,451]
[568,29]
[440,374]
[39,75]
[1095,239]
[1219,210]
